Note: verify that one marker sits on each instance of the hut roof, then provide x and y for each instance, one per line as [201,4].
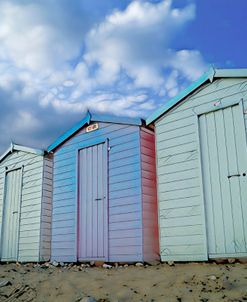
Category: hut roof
[92,117]
[14,147]
[209,76]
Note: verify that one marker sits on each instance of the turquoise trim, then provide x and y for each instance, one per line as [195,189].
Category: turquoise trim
[116,119]
[231,73]
[14,147]
[93,117]
[70,132]
[154,116]
[210,75]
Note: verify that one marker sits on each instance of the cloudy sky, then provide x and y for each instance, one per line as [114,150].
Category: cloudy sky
[59,58]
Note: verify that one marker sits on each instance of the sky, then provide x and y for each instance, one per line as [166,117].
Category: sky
[59,58]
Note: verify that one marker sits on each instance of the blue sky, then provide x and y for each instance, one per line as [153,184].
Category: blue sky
[59,58]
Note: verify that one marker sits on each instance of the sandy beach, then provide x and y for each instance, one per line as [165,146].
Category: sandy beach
[190,282]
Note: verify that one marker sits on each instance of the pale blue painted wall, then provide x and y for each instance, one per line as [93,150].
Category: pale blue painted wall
[125,210]
[35,217]
[181,204]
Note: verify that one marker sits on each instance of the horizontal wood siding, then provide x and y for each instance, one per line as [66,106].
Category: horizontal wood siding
[46,210]
[181,210]
[31,201]
[149,196]
[125,233]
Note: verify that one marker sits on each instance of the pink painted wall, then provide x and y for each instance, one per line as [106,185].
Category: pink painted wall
[149,196]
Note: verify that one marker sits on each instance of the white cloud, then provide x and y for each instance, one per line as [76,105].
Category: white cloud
[127,51]
[130,50]
[136,40]
[55,59]
[25,121]
[29,41]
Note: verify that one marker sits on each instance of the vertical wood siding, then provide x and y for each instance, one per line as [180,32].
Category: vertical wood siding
[11,217]
[125,227]
[93,203]
[181,210]
[46,210]
[149,196]
[29,236]
[223,141]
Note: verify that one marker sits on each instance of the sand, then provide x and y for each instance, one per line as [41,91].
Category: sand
[180,283]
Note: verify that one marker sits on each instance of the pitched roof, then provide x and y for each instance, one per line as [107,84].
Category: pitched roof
[15,147]
[92,117]
[210,75]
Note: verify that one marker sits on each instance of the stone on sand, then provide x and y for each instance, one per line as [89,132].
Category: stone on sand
[55,263]
[231,260]
[99,263]
[88,299]
[171,263]
[139,264]
[243,260]
[5,283]
[153,263]
[106,266]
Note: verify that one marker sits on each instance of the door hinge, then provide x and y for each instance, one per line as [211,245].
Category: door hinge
[234,175]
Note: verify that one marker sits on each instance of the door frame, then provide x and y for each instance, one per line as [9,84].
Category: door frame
[77,212]
[4,207]
[200,110]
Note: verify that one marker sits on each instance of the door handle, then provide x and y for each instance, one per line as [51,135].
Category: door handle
[15,212]
[234,175]
[97,199]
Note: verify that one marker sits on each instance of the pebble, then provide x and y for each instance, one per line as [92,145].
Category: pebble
[55,263]
[88,299]
[171,263]
[212,277]
[153,263]
[125,265]
[243,260]
[106,266]
[98,263]
[92,263]
[5,283]
[231,260]
[61,263]
[139,264]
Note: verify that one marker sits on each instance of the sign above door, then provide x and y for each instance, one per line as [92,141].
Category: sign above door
[92,127]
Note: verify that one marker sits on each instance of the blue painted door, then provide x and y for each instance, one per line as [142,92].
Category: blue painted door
[224,165]
[11,216]
[93,203]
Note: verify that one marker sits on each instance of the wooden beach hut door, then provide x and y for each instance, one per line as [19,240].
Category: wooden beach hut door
[93,203]
[11,215]
[224,166]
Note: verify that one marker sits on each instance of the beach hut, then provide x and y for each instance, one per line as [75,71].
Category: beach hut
[104,193]
[202,167]
[25,204]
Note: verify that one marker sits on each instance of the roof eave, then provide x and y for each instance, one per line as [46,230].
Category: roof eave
[15,147]
[94,118]
[70,132]
[183,94]
[231,73]
[116,119]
